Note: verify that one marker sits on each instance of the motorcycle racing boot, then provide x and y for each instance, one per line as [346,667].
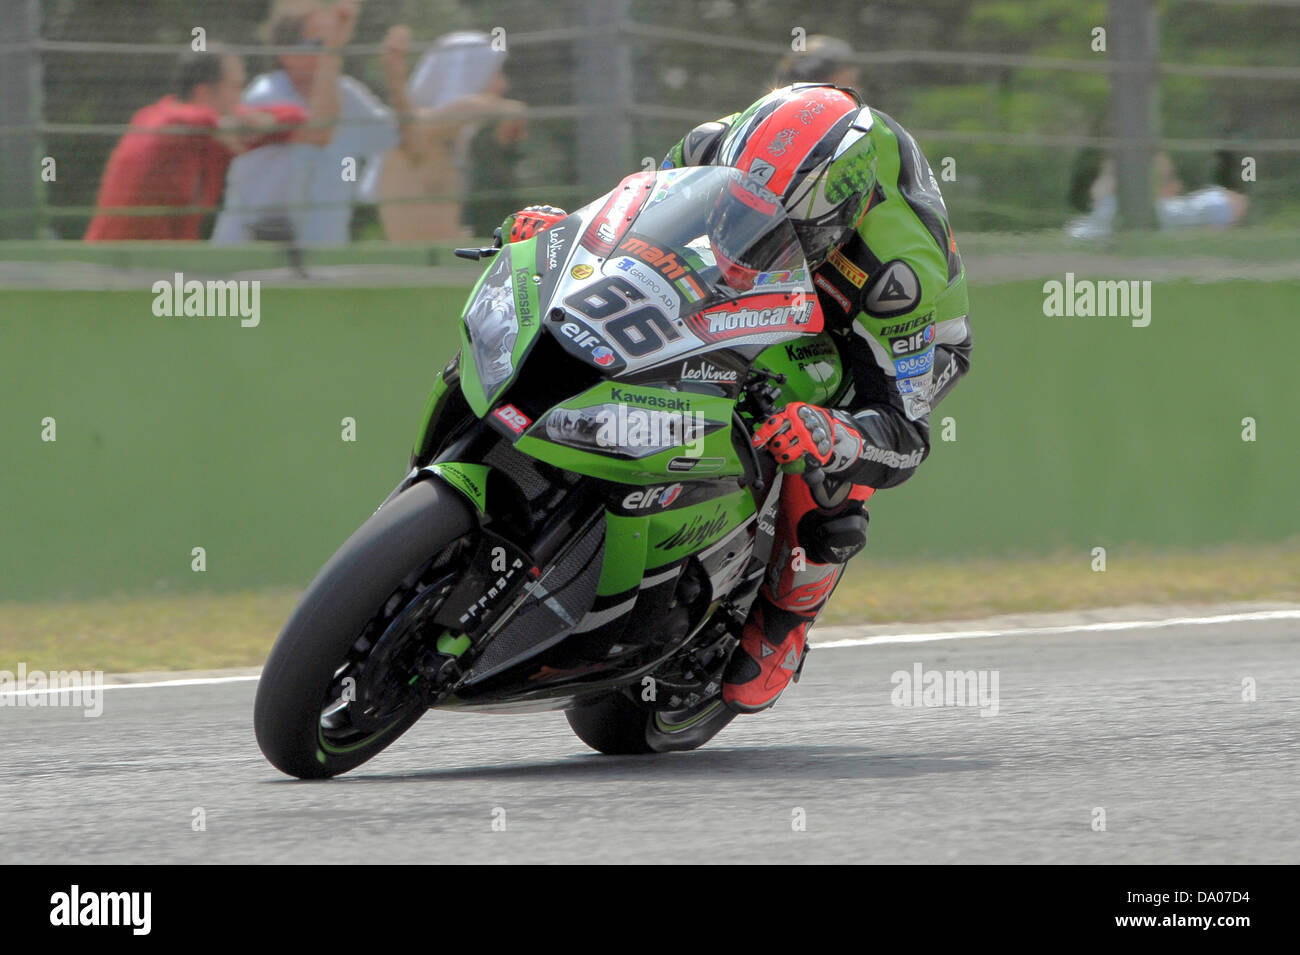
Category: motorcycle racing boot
[771,652]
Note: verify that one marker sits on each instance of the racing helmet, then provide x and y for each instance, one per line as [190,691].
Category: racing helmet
[810,148]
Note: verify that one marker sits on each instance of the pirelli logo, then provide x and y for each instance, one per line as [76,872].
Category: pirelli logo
[848,269]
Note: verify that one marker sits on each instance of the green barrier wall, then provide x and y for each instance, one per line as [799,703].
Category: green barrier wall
[174,433]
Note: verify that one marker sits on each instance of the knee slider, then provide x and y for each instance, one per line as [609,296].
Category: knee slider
[832,537]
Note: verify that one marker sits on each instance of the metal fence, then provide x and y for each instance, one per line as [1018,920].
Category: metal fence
[1014,103]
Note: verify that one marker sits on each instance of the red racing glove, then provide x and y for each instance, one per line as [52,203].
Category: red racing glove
[802,429]
[529,221]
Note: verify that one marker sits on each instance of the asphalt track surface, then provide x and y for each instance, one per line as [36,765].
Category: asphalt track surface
[1148,725]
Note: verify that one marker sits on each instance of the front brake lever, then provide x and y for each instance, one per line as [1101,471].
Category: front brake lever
[486,252]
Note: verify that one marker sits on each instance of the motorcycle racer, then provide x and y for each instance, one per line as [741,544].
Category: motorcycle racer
[869,215]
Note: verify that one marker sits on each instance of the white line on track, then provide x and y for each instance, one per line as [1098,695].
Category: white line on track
[1255,617]
[1112,625]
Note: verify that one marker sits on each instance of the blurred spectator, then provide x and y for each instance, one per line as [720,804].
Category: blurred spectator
[304,192]
[826,59]
[178,150]
[456,88]
[1208,206]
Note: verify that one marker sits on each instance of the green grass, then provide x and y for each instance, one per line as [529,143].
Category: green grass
[177,433]
[207,631]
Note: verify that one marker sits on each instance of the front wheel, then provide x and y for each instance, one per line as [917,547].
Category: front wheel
[310,718]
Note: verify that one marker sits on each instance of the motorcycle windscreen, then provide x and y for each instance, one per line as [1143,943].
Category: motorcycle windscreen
[677,262]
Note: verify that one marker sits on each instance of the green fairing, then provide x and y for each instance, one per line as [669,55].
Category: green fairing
[625,553]
[812,368]
[432,408]
[679,533]
[469,479]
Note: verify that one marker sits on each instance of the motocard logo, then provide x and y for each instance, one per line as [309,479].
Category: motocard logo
[825,284]
[747,316]
[658,496]
[911,343]
[617,213]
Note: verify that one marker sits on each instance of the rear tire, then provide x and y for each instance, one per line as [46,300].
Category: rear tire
[394,543]
[617,726]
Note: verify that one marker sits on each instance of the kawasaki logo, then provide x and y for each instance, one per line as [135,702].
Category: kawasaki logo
[760,317]
[808,352]
[650,401]
[523,304]
[891,459]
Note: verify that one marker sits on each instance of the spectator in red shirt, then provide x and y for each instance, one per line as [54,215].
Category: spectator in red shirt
[178,150]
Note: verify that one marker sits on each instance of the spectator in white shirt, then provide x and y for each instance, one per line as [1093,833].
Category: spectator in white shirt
[301,192]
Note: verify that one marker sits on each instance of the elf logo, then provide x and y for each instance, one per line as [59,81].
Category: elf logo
[601,353]
[918,341]
[658,496]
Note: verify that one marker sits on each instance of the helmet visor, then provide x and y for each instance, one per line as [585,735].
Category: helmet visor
[749,231]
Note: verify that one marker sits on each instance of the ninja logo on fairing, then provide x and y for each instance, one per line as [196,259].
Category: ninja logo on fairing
[695,533]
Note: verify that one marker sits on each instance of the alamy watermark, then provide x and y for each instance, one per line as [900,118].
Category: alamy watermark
[1085,298]
[922,687]
[212,299]
[79,688]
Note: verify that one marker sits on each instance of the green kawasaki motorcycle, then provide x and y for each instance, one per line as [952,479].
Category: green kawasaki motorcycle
[585,522]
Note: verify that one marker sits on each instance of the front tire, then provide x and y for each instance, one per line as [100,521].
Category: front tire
[396,542]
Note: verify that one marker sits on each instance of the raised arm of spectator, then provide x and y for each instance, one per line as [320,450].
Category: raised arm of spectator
[333,27]
[474,108]
[253,126]
[397,44]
